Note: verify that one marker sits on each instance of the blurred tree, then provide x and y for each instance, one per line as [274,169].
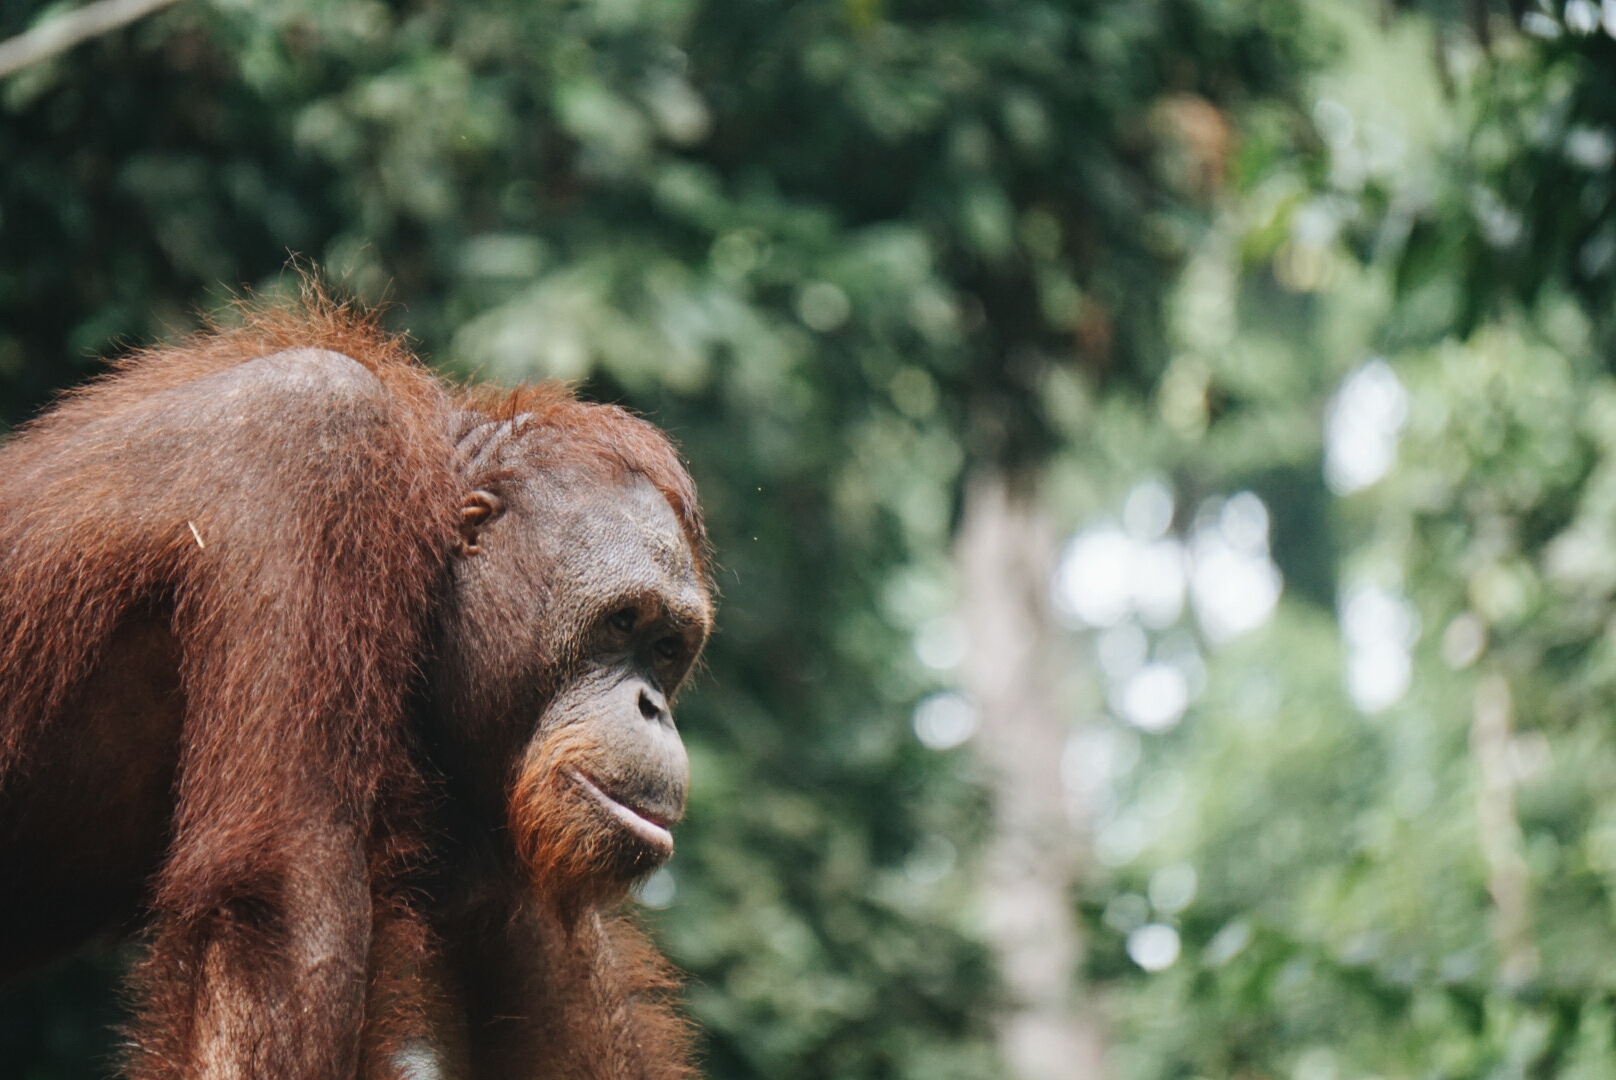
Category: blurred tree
[1378,842]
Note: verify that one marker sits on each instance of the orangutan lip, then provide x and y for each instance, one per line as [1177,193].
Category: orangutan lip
[638,822]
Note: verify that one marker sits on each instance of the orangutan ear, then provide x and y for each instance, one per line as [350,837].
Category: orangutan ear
[476,510]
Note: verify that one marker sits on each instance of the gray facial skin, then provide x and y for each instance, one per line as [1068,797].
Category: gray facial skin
[580,612]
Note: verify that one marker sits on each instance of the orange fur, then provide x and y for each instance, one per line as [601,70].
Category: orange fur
[573,860]
[300,579]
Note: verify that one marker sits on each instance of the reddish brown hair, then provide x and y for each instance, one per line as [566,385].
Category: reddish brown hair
[297,557]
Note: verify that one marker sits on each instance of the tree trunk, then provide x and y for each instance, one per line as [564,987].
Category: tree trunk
[1508,880]
[60,33]
[1005,555]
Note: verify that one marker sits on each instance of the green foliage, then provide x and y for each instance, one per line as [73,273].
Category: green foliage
[1420,887]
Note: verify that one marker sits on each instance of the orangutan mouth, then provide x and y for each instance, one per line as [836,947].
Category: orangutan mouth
[653,832]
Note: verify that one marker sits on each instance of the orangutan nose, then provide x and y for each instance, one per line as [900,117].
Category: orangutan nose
[653,706]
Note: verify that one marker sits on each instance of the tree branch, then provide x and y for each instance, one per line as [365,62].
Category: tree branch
[61,33]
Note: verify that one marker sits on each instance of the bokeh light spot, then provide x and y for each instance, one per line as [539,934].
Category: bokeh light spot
[1153,946]
[945,720]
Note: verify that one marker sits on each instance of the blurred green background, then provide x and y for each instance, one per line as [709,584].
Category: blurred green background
[1161,456]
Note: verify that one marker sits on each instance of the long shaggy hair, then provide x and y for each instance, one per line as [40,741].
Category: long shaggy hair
[299,563]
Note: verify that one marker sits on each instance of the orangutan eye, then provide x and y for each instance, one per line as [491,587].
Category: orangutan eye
[623,621]
[669,649]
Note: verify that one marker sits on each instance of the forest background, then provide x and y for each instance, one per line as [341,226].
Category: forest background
[1161,456]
